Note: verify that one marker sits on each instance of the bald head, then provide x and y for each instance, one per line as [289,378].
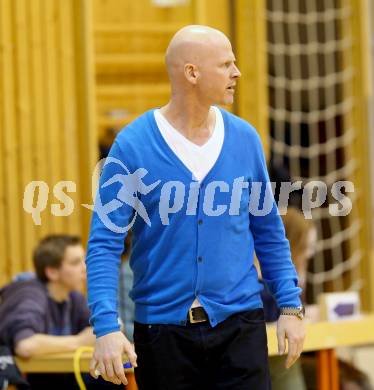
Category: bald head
[201,67]
[192,44]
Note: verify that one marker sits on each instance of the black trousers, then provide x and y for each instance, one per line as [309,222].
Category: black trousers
[231,356]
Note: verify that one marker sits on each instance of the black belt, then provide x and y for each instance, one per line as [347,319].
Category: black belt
[197,315]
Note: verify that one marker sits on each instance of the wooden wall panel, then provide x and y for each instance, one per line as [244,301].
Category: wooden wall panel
[38,87]
[122,12]
[10,186]
[250,43]
[52,91]
[85,102]
[47,123]
[68,110]
[216,14]
[23,117]
[4,43]
[130,43]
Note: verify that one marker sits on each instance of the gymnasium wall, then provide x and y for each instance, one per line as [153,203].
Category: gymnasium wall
[47,128]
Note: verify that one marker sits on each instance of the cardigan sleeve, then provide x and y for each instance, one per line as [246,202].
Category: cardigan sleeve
[108,231]
[271,245]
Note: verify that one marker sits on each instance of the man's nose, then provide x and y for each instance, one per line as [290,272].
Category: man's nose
[236,74]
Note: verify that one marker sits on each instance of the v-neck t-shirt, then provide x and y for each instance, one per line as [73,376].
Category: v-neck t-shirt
[198,159]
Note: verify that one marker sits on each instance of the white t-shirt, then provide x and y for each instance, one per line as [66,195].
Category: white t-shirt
[198,159]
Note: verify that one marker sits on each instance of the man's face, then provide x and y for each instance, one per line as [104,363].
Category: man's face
[218,74]
[73,269]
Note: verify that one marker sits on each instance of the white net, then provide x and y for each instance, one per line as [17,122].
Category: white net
[310,100]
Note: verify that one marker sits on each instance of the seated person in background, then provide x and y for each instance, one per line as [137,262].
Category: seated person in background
[302,236]
[48,314]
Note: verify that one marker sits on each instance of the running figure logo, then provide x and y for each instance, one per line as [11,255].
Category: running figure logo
[131,185]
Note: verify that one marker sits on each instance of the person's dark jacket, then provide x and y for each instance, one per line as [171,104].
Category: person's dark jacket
[26,309]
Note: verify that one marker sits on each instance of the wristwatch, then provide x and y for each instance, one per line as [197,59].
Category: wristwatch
[299,312]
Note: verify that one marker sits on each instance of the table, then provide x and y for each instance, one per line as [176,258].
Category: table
[321,336]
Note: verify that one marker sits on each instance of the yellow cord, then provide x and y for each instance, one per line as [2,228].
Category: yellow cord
[77,369]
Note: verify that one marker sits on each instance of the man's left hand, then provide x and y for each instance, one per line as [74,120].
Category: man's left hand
[293,329]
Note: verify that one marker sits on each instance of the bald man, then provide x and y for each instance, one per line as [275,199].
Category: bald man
[199,322]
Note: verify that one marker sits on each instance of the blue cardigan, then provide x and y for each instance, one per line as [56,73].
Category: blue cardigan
[189,240]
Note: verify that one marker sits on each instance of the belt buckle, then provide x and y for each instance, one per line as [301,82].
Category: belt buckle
[192,320]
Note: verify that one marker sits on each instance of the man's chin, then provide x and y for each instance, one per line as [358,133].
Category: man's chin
[227,101]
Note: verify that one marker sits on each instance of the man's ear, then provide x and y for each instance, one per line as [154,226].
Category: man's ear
[191,72]
[52,273]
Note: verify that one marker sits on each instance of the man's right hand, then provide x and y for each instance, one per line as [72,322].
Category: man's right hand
[107,357]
